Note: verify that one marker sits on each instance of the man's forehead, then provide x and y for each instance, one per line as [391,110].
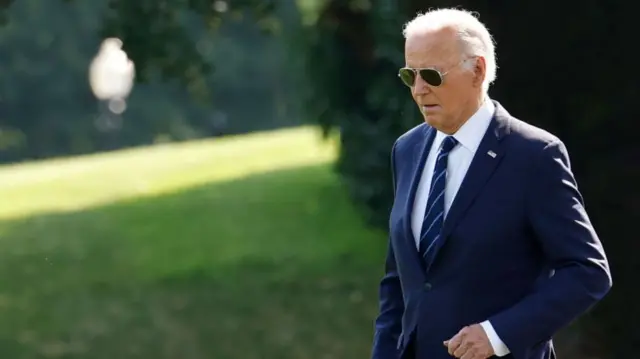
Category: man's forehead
[440,39]
[431,48]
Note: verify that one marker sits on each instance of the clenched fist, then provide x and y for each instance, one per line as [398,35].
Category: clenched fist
[470,343]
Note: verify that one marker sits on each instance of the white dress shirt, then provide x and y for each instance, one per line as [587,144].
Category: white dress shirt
[469,137]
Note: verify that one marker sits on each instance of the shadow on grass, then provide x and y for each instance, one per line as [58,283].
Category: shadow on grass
[276,265]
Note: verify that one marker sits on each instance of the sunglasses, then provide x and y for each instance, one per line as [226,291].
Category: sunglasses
[430,75]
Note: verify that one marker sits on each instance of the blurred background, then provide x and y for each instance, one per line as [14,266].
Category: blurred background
[237,207]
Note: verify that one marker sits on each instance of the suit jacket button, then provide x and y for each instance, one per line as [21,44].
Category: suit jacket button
[427,286]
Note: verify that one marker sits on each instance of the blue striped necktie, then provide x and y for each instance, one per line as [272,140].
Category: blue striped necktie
[434,213]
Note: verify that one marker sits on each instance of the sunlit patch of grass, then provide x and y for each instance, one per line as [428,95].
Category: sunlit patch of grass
[240,249]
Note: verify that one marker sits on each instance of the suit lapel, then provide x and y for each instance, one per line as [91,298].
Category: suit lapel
[484,163]
[419,159]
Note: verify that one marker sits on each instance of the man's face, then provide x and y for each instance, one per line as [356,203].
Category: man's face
[449,105]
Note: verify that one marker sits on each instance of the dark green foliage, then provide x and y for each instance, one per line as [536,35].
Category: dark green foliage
[156,38]
[561,67]
[47,108]
[351,63]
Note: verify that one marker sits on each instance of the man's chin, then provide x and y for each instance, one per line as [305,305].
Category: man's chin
[432,120]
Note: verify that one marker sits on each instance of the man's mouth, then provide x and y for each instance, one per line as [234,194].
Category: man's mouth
[429,107]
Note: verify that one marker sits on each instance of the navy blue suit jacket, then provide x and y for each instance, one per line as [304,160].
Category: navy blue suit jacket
[517,248]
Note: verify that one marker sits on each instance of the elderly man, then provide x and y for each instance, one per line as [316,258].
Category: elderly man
[491,251]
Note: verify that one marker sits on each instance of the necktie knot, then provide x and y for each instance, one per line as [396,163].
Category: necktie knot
[448,144]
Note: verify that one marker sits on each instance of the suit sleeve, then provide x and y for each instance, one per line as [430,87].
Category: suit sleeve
[572,248]
[388,324]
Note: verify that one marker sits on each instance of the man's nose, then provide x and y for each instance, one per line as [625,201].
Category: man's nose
[421,87]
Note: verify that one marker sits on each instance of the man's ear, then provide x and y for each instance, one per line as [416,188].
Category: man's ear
[479,70]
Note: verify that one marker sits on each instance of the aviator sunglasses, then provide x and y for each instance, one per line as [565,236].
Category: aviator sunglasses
[430,75]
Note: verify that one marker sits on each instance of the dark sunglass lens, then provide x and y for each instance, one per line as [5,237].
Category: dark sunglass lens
[432,77]
[407,76]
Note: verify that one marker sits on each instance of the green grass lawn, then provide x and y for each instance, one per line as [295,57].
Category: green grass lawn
[244,247]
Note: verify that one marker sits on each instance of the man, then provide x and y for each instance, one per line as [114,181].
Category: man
[491,251]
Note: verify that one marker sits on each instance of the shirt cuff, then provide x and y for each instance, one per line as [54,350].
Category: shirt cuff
[499,348]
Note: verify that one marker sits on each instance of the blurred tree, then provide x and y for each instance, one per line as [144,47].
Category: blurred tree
[46,108]
[157,40]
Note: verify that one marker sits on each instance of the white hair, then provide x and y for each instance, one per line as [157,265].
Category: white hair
[473,35]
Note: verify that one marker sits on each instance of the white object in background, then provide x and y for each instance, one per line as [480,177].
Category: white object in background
[111,75]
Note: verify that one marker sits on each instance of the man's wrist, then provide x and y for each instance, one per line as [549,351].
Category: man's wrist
[499,348]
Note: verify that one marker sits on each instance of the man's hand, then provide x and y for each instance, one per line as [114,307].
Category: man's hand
[470,343]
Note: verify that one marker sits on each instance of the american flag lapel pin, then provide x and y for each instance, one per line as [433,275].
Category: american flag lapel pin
[492,154]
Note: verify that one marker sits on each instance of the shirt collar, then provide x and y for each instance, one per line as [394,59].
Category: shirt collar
[471,133]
